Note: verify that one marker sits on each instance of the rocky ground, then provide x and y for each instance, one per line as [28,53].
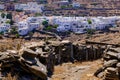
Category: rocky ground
[76,71]
[69,71]
[103,37]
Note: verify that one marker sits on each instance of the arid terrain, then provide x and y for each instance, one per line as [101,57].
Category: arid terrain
[77,71]
[71,71]
[104,37]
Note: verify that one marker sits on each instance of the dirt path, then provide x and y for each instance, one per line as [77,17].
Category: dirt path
[76,71]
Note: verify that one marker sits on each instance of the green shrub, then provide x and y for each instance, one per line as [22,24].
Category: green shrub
[17,35]
[45,23]
[89,22]
[90,31]
[8,22]
[1,33]
[63,7]
[3,15]
[38,14]
[55,26]
[49,28]
[9,16]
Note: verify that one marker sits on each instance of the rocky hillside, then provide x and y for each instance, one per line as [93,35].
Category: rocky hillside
[36,60]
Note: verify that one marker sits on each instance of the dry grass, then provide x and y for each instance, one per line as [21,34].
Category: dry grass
[10,44]
[9,77]
[65,71]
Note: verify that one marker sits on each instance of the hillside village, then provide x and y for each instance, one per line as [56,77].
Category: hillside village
[30,15]
[65,24]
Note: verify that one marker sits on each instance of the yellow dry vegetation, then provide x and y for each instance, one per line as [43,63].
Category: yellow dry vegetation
[10,44]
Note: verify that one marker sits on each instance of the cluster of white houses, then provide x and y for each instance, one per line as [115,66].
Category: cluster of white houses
[75,24]
[80,24]
[29,6]
[4,25]
[29,24]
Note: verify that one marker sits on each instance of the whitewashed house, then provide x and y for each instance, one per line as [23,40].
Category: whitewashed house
[64,26]
[33,26]
[24,27]
[4,27]
[75,24]
[76,4]
[80,27]
[2,6]
[23,31]
[20,6]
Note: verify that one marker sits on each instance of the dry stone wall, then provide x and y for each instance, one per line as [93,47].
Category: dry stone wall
[111,65]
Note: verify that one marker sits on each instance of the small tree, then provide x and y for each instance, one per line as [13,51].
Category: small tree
[89,22]
[17,35]
[90,31]
[11,22]
[14,30]
[1,33]
[38,14]
[3,15]
[49,28]
[45,23]
[8,22]
[63,7]
[55,26]
[9,16]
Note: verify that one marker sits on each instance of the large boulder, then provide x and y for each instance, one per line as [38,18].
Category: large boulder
[39,50]
[34,45]
[116,50]
[28,53]
[118,56]
[111,74]
[110,63]
[37,69]
[7,57]
[111,70]
[118,66]
[29,61]
[100,70]
[110,55]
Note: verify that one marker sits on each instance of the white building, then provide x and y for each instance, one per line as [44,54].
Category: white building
[24,27]
[80,24]
[2,6]
[76,4]
[4,27]
[30,6]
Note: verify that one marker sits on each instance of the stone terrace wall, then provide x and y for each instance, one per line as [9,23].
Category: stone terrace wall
[111,65]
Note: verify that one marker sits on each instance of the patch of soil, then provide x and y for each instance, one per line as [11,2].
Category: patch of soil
[77,71]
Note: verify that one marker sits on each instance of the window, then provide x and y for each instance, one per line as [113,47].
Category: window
[20,31]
